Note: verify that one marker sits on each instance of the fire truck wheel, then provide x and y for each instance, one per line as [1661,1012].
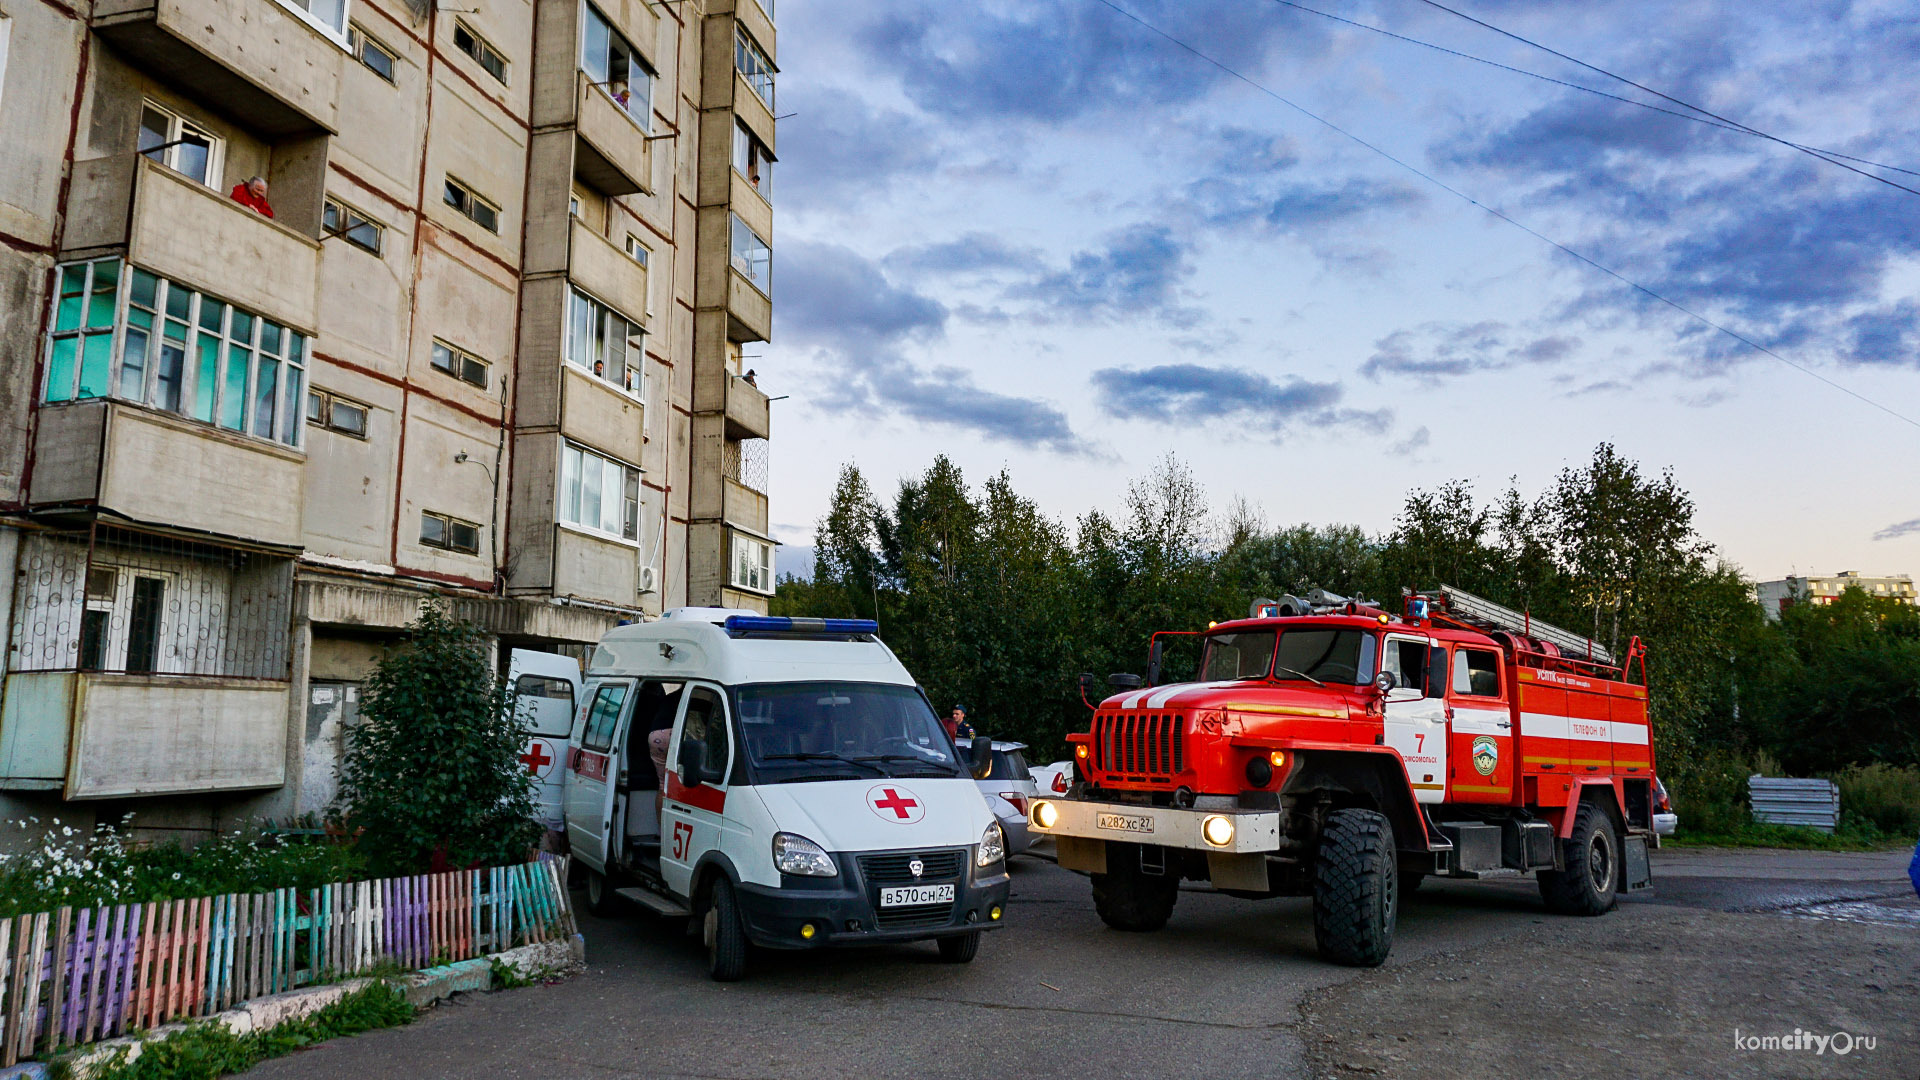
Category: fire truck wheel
[1356,889]
[1128,898]
[1587,886]
[726,935]
[600,896]
[959,950]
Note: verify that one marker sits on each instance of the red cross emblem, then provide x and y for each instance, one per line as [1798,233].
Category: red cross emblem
[537,758]
[896,806]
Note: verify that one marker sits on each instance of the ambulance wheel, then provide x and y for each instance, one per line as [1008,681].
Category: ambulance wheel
[1356,889]
[601,900]
[959,949]
[1588,884]
[726,934]
[1129,898]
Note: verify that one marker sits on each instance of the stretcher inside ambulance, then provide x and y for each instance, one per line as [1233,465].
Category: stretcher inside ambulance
[783,782]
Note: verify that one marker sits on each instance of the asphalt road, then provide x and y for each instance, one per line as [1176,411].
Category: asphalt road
[1231,988]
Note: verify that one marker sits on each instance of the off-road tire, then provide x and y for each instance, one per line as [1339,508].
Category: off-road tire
[725,933]
[601,899]
[1356,889]
[1590,884]
[959,949]
[1129,898]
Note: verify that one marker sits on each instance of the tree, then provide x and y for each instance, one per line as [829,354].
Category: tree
[432,776]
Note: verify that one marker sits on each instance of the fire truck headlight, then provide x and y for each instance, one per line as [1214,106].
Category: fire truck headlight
[1046,815]
[993,846]
[1218,830]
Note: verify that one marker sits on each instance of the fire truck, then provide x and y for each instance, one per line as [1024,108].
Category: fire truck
[1330,749]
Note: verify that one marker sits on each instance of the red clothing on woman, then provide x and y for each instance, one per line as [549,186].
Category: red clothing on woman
[244,195]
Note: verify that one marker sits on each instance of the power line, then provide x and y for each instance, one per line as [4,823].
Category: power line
[1503,216]
[1736,128]
[1668,97]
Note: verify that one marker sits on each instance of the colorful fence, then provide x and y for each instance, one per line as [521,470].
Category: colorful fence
[70,976]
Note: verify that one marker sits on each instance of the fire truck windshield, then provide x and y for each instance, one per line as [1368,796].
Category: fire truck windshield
[1246,655]
[1326,656]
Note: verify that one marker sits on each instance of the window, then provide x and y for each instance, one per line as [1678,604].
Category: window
[604,342]
[460,364]
[6,28]
[329,16]
[1407,660]
[122,624]
[545,705]
[1247,655]
[573,206]
[752,564]
[706,726]
[339,219]
[613,66]
[334,413]
[1476,672]
[1344,657]
[180,144]
[751,256]
[120,331]
[608,702]
[451,533]
[753,64]
[599,494]
[378,58]
[467,201]
[752,161]
[477,47]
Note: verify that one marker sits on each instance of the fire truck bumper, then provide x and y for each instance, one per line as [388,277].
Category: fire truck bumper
[1229,832]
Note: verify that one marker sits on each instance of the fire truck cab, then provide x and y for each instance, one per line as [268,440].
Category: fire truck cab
[1328,748]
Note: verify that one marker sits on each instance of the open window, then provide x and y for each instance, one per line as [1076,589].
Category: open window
[612,64]
[180,144]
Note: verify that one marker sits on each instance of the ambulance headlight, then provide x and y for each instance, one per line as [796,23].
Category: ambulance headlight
[993,846]
[1046,815]
[794,854]
[1217,830]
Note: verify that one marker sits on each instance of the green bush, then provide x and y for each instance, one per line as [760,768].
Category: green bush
[1884,796]
[207,1051]
[1710,794]
[432,776]
[72,867]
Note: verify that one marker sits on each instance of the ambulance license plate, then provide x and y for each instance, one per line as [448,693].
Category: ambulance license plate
[1126,822]
[915,895]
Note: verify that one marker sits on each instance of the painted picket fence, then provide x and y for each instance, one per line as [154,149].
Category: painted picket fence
[74,976]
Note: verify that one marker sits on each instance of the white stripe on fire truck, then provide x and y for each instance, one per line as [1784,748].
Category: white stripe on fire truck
[1548,725]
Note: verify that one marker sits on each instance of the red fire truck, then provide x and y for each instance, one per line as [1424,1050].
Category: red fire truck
[1331,749]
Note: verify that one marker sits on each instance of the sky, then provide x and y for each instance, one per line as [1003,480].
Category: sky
[1066,238]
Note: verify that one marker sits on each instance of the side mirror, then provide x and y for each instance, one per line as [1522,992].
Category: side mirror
[1087,683]
[980,757]
[692,762]
[1154,654]
[1122,681]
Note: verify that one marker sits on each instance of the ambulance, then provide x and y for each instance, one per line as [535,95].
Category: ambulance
[781,781]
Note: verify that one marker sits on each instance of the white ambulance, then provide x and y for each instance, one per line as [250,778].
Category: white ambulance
[810,796]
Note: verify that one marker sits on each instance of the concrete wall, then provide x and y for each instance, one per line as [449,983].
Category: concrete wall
[140,735]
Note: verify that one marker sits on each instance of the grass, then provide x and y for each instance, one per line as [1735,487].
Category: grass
[1851,836]
[208,1050]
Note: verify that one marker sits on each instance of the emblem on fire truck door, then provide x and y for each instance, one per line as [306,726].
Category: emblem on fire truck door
[1486,755]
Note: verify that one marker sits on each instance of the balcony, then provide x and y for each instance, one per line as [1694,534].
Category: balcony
[156,468]
[747,410]
[749,311]
[598,415]
[256,61]
[743,507]
[611,152]
[590,568]
[188,232]
[600,267]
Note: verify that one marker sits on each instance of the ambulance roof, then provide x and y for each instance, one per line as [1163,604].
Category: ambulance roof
[694,643]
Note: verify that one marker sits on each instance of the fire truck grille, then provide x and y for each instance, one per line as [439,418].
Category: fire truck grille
[1140,746]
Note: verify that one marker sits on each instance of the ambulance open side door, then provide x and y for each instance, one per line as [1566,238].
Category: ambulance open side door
[546,696]
[591,764]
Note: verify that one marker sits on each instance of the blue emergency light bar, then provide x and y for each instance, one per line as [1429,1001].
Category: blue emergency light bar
[781,624]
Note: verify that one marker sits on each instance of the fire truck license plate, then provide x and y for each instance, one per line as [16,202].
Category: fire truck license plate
[1126,822]
[913,895]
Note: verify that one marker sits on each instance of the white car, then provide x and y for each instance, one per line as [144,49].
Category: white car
[1009,788]
[1053,779]
[1665,821]
[811,797]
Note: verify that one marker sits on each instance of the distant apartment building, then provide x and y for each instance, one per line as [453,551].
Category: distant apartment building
[1776,596]
[480,339]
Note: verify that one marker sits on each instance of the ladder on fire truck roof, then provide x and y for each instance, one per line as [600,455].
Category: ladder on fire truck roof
[1481,613]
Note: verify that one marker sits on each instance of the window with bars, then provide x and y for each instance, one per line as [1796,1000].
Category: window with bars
[606,343]
[599,494]
[122,332]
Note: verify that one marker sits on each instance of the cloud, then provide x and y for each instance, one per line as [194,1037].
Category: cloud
[1414,443]
[1138,271]
[1435,351]
[837,146]
[1889,335]
[1898,530]
[863,326]
[971,253]
[1194,393]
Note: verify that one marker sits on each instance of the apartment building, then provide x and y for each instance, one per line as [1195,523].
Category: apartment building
[1776,596]
[480,339]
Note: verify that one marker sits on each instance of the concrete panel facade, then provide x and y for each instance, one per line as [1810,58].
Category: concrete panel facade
[142,735]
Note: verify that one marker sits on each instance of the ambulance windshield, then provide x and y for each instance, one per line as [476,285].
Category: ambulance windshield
[800,732]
